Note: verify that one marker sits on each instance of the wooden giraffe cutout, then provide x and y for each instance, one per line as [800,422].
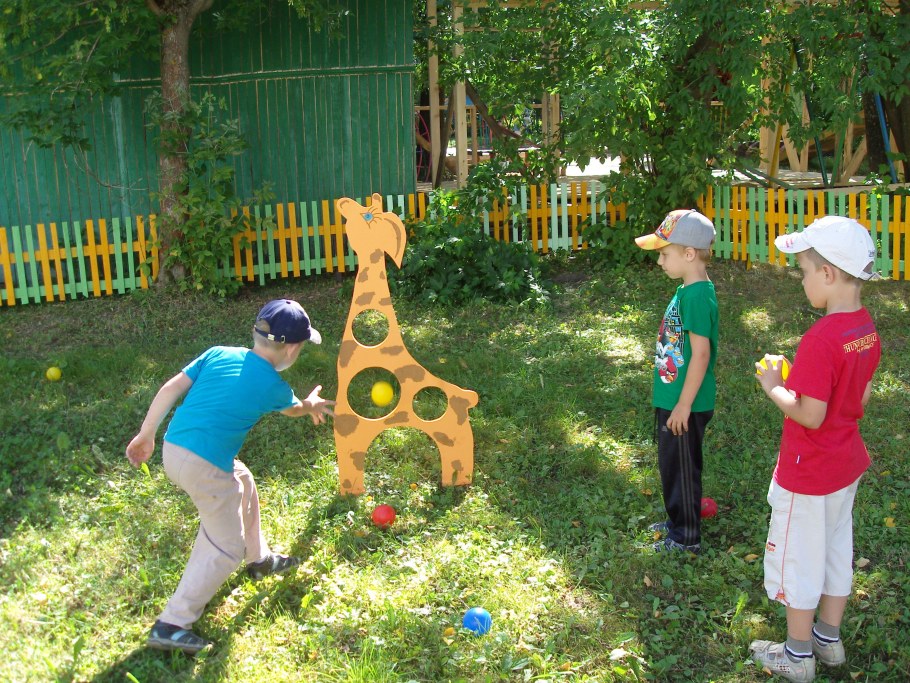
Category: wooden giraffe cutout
[373,233]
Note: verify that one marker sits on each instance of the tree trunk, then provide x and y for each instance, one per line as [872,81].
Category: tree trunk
[177,17]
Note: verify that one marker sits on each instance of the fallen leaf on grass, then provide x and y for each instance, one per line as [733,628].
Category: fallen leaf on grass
[449,632]
[863,562]
[889,522]
[647,581]
[751,557]
[617,653]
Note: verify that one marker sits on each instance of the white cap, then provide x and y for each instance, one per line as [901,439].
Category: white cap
[842,241]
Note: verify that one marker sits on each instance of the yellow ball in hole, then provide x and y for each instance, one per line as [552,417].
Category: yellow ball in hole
[382,394]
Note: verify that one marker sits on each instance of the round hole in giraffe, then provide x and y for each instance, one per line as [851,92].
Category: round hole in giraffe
[430,403]
[370,327]
[371,384]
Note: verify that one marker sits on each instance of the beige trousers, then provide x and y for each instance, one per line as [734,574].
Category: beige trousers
[229,529]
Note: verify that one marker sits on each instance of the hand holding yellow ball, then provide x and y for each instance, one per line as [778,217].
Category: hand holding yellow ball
[784,366]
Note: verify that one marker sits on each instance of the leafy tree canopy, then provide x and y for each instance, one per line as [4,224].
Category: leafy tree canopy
[677,89]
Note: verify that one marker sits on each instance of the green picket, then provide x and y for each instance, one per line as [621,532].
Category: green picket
[33,290]
[80,259]
[117,245]
[317,239]
[269,234]
[882,263]
[70,274]
[260,265]
[306,266]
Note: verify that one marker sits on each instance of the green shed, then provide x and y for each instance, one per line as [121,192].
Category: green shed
[326,115]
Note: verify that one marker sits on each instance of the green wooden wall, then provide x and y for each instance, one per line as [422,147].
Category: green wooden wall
[326,116]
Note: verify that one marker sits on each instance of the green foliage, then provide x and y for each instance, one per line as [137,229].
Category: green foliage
[675,90]
[56,55]
[450,260]
[210,212]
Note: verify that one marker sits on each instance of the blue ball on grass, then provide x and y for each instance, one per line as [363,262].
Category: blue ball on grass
[477,620]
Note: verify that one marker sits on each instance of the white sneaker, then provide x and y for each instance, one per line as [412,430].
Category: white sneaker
[830,654]
[772,656]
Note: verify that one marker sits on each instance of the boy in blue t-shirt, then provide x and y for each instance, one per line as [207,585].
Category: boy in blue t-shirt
[684,384]
[227,390]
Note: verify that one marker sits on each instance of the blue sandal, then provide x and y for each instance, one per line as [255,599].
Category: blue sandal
[273,564]
[169,637]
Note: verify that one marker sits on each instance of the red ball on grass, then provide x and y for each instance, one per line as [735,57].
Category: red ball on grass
[383,516]
[708,507]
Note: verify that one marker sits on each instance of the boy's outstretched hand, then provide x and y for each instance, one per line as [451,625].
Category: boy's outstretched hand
[317,407]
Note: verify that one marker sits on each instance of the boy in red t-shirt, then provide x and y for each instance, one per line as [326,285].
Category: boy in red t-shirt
[809,553]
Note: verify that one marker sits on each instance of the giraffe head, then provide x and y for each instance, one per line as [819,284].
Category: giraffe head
[370,228]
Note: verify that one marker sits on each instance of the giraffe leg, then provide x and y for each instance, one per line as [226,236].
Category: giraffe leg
[457,457]
[350,468]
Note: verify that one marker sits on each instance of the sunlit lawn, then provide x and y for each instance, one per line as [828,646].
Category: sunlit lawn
[551,538]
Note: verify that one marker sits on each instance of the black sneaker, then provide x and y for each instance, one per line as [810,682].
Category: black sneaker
[660,527]
[273,564]
[670,546]
[168,637]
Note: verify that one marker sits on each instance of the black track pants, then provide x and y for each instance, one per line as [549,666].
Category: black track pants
[679,460]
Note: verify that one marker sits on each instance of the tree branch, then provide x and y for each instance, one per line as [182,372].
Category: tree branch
[496,128]
[155,9]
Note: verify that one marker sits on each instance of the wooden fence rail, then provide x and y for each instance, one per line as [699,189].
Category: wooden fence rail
[100,257]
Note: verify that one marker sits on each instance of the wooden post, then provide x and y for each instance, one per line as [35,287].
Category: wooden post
[437,136]
[459,106]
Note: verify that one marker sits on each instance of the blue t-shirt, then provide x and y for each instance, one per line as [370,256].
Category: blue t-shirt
[232,388]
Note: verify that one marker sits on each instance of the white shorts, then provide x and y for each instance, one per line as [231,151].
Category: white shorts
[809,552]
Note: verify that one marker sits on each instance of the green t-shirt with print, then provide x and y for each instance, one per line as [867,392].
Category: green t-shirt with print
[693,309]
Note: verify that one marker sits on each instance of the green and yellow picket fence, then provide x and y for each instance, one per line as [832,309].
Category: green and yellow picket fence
[100,257]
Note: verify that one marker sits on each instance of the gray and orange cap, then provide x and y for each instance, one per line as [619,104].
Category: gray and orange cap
[685,227]
[841,241]
[288,323]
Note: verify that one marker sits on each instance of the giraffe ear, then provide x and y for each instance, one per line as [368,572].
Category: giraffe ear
[377,203]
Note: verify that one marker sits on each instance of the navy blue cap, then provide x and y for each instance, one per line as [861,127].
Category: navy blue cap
[288,323]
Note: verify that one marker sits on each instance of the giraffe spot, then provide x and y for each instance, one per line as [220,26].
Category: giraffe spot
[364,299]
[345,353]
[460,407]
[377,256]
[412,372]
[457,465]
[386,301]
[358,458]
[399,418]
[396,350]
[345,425]
[443,438]
[363,275]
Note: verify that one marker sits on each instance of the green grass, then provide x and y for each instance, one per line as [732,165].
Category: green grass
[550,538]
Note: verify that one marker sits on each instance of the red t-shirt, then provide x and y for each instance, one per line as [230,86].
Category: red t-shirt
[834,362]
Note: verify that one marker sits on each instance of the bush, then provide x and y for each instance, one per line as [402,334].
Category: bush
[450,260]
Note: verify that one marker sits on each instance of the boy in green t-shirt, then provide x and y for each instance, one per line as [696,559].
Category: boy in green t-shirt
[684,384]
